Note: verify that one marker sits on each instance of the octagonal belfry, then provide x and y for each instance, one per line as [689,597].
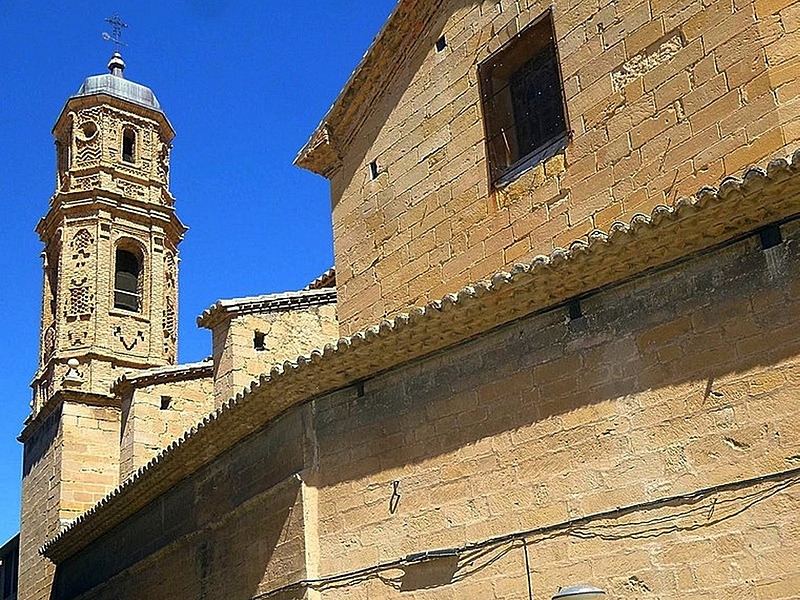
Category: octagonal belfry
[111,237]
[109,302]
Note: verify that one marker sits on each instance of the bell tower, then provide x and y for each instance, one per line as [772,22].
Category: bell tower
[109,303]
[111,238]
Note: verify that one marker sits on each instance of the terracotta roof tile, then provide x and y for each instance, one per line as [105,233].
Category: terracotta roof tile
[223,309]
[326,280]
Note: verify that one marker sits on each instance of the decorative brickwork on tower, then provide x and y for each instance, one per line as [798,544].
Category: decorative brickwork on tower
[109,303]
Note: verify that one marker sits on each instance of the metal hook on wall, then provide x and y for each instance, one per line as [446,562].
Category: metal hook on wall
[395,498]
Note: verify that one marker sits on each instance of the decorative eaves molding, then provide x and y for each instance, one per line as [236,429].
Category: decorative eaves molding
[227,309]
[184,372]
[385,57]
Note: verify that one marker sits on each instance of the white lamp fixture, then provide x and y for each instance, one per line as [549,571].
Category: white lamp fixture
[580,592]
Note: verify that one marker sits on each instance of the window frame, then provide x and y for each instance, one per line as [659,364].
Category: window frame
[501,174]
[138,255]
[126,157]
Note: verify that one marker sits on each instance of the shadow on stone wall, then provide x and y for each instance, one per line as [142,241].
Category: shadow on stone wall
[675,334]
[41,442]
[235,528]
[227,532]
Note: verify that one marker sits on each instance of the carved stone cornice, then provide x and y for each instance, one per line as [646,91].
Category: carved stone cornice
[76,103]
[171,373]
[92,201]
[226,309]
[386,57]
[59,398]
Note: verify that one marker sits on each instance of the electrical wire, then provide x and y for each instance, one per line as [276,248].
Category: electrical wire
[528,571]
[476,556]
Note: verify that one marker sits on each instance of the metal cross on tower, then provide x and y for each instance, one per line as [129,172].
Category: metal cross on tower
[117,26]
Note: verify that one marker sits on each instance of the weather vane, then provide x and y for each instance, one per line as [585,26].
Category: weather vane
[117,26]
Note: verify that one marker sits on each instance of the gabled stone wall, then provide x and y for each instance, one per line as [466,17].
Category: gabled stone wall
[662,96]
[284,334]
[158,413]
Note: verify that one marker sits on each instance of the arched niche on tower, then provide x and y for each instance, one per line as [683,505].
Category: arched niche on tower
[129,144]
[129,276]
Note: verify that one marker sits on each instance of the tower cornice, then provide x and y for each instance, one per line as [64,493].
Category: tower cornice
[33,423]
[86,204]
[76,103]
[116,172]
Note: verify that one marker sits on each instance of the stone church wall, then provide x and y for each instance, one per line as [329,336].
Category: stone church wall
[41,470]
[679,382]
[662,96]
[287,334]
[645,440]
[155,415]
[71,463]
[232,530]
[90,457]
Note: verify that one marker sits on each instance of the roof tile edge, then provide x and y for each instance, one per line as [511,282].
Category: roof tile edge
[223,309]
[180,372]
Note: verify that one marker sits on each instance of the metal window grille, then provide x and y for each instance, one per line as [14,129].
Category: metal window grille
[126,281]
[523,99]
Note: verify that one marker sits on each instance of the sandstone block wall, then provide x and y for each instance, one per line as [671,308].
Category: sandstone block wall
[153,416]
[286,334]
[235,529]
[663,97]
[71,463]
[615,439]
[673,383]
[90,457]
[41,472]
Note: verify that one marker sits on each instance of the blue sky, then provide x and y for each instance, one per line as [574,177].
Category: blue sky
[244,84]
